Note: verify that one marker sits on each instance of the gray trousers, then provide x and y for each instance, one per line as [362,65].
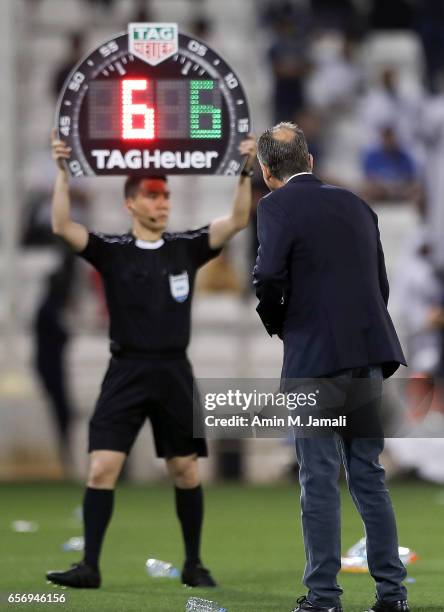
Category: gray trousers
[319,461]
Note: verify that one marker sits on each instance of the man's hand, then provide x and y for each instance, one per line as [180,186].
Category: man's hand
[60,151]
[435,318]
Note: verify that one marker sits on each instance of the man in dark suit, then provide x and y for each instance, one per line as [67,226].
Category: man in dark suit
[322,287]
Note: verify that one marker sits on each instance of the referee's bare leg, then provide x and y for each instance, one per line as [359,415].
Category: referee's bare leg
[184,471]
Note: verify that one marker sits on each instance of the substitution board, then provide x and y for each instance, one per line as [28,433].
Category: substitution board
[151,101]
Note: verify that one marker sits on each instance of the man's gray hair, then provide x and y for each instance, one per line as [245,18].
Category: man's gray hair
[284,157]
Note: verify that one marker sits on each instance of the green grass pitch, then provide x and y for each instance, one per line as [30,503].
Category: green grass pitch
[252,543]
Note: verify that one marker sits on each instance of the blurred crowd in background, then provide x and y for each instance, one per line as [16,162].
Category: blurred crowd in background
[365,81]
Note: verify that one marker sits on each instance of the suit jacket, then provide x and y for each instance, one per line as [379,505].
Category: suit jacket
[321,280]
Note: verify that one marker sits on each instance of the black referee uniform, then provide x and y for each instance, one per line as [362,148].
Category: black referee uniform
[149,288]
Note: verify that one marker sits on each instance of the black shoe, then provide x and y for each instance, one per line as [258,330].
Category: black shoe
[380,605]
[80,576]
[304,604]
[195,575]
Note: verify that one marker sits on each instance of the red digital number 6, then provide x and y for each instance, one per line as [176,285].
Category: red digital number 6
[130,110]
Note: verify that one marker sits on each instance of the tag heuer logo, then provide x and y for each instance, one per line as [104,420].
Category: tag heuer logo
[153,42]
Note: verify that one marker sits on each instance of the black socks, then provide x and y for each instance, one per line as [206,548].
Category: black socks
[189,508]
[97,510]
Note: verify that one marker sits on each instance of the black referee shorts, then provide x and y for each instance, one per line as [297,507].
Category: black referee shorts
[139,387]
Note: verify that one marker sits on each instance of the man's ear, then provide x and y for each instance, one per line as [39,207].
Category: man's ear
[266,172]
[310,161]
[129,205]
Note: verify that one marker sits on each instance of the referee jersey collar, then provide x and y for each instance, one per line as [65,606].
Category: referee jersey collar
[148,245]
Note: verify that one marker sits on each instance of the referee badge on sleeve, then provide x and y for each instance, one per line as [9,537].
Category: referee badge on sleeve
[179,286]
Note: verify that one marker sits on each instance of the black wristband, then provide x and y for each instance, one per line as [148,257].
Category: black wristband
[249,173]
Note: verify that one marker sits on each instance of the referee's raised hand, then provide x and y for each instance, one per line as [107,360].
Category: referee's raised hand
[60,150]
[224,228]
[248,146]
[75,234]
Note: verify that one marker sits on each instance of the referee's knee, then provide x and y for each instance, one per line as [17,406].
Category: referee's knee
[104,469]
[184,471]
